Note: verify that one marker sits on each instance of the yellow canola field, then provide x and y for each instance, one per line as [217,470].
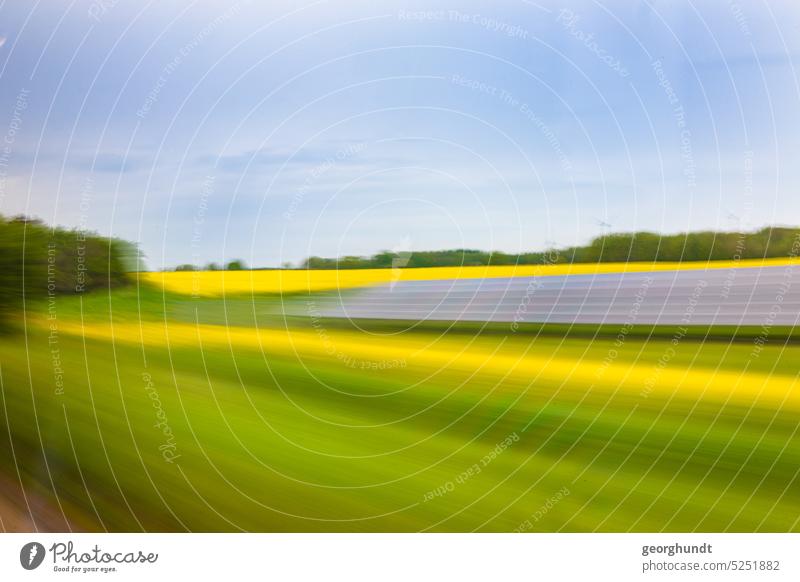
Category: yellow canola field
[746,388]
[217,283]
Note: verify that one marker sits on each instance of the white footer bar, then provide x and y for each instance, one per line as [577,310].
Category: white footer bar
[401,557]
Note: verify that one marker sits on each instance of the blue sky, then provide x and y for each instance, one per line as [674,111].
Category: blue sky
[274,131]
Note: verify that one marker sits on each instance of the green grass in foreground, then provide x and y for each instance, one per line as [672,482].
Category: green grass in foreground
[277,443]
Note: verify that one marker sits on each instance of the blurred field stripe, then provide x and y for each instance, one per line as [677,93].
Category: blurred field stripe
[217,283]
[649,380]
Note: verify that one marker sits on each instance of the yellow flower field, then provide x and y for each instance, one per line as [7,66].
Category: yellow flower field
[217,283]
[746,388]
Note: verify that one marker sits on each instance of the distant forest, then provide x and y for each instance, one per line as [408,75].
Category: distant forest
[38,261]
[770,242]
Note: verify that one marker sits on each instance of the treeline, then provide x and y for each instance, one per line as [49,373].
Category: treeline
[770,242]
[38,261]
[235,265]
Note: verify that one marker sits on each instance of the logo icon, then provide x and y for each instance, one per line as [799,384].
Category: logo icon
[31,555]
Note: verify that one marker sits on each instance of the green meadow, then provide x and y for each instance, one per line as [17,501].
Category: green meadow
[124,435]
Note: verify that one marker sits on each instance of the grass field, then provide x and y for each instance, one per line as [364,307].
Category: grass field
[162,412]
